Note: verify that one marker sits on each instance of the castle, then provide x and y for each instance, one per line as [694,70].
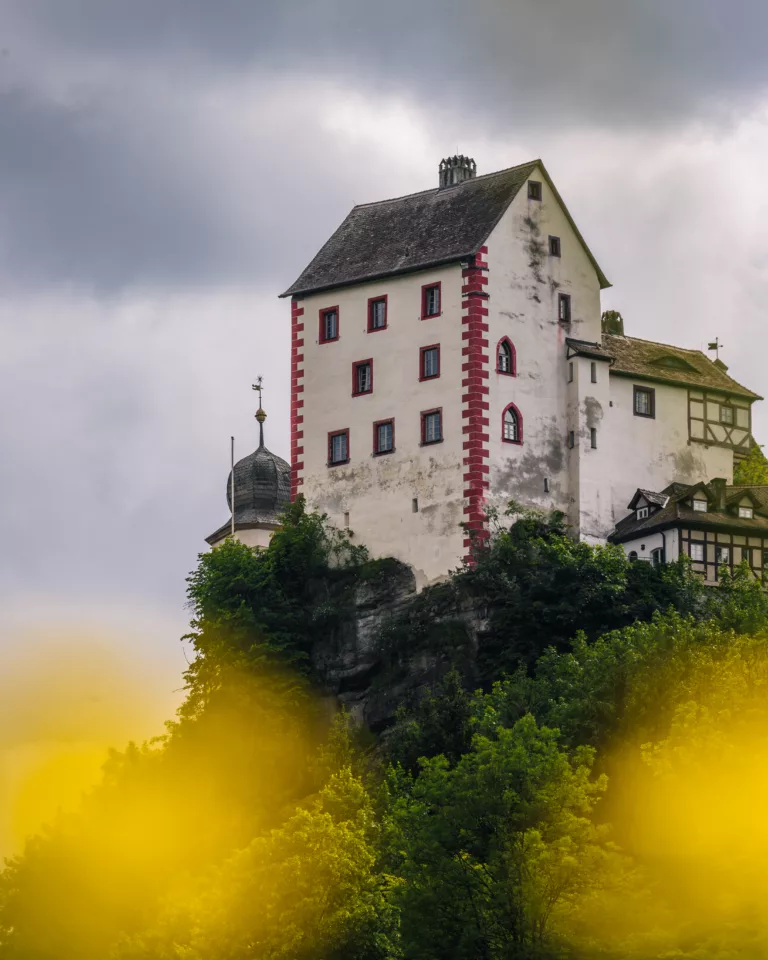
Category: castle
[448,354]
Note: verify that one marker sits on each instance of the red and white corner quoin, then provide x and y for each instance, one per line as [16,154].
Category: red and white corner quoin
[475,405]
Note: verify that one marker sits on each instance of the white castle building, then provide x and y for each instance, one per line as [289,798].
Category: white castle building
[448,354]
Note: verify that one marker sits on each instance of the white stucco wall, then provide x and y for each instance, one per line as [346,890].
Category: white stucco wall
[377,492]
[644,546]
[524,283]
[653,452]
[255,537]
[592,469]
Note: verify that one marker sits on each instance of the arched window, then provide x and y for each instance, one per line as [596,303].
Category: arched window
[633,556]
[506,361]
[512,425]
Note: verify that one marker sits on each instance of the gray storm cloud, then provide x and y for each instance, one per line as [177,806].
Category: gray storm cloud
[114,173]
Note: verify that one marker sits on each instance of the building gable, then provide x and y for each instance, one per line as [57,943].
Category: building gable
[435,227]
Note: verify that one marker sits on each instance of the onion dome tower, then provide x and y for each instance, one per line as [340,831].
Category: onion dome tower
[262,490]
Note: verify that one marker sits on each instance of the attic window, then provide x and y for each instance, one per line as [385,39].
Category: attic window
[642,513]
[700,506]
[746,513]
[534,190]
[554,246]
[673,363]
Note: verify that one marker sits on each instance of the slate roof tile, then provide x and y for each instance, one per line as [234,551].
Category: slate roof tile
[422,230]
[663,363]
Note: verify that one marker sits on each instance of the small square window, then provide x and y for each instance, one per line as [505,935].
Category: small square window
[534,190]
[593,371]
[377,314]
[430,300]
[384,436]
[362,377]
[593,438]
[338,447]
[644,402]
[432,426]
[726,415]
[430,362]
[697,552]
[554,246]
[746,513]
[700,506]
[329,324]
[642,513]
[564,308]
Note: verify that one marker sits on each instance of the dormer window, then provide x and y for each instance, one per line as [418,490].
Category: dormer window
[642,513]
[700,506]
[746,513]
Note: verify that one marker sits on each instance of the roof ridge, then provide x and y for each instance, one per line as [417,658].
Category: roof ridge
[420,193]
[658,343]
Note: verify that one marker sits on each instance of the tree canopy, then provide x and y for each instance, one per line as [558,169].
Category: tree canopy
[598,792]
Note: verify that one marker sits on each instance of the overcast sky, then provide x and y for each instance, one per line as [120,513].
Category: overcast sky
[167,167]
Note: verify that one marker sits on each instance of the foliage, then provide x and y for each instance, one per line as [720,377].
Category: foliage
[306,889]
[249,606]
[440,724]
[619,704]
[492,849]
[753,469]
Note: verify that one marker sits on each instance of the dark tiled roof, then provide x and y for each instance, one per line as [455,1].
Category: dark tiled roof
[677,513]
[422,230]
[585,348]
[666,364]
[659,499]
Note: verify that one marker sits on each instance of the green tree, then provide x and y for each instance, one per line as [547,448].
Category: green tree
[307,889]
[494,848]
[753,469]
[251,606]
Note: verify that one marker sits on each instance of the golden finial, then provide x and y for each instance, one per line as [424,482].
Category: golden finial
[260,414]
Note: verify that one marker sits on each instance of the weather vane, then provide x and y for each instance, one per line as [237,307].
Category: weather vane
[260,415]
[715,345]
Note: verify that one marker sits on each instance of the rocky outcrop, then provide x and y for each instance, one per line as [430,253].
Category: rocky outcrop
[365,667]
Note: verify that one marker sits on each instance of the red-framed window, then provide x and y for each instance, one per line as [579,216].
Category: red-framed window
[431,300]
[512,425]
[377,313]
[429,362]
[338,447]
[506,357]
[362,377]
[384,437]
[329,325]
[432,426]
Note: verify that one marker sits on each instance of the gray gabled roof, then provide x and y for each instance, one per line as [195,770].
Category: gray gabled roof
[676,511]
[422,230]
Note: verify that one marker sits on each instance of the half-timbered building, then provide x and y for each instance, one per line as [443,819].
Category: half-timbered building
[714,524]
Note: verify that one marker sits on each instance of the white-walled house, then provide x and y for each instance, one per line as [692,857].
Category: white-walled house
[448,354]
[714,524]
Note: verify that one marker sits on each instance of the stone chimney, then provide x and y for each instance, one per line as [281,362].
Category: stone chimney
[717,486]
[456,170]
